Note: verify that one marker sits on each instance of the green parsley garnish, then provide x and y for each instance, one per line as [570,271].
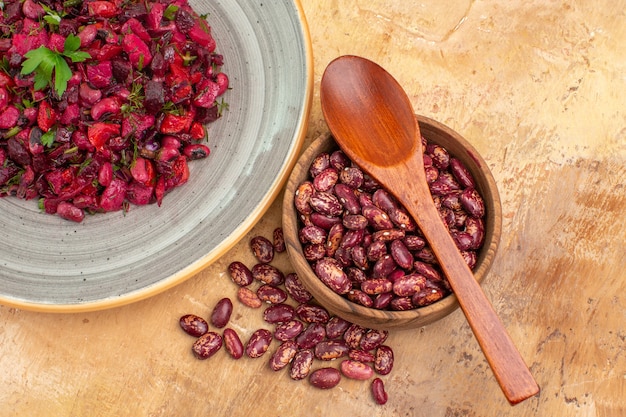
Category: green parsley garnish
[43,61]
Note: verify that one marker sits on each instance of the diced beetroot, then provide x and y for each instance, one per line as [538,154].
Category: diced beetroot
[50,205]
[153,20]
[179,175]
[137,124]
[87,35]
[9,117]
[159,190]
[30,114]
[100,8]
[99,133]
[5,80]
[154,96]
[18,151]
[109,51]
[69,211]
[197,131]
[173,123]
[80,140]
[56,42]
[207,92]
[84,201]
[46,116]
[133,25]
[201,33]
[139,194]
[138,52]
[101,74]
[113,195]
[71,114]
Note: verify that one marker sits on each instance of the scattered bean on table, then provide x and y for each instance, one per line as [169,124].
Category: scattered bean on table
[306,333]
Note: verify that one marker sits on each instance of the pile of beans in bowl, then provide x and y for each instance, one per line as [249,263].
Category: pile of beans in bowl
[103,103]
[311,343]
[364,245]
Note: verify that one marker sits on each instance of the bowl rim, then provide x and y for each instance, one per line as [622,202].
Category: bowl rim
[414,317]
[237,235]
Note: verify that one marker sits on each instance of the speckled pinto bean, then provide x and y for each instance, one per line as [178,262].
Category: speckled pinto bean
[207,345]
[278,240]
[375,286]
[240,274]
[271,294]
[336,326]
[353,335]
[248,298]
[258,343]
[288,330]
[193,325]
[373,338]
[319,164]
[325,378]
[326,203]
[302,197]
[221,312]
[326,179]
[232,342]
[352,177]
[311,313]
[361,355]
[377,218]
[323,221]
[378,391]
[328,350]
[331,273]
[356,370]
[301,364]
[268,274]
[409,284]
[383,360]
[348,198]
[283,355]
[335,236]
[339,160]
[314,252]
[262,249]
[295,289]
[312,234]
[461,173]
[360,297]
[401,254]
[472,202]
[311,336]
[279,313]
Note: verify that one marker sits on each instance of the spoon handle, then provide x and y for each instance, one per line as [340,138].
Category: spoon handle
[509,368]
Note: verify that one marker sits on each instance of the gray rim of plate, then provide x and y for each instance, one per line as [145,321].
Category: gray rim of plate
[50,264]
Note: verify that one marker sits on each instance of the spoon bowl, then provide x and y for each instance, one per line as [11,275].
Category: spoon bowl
[457,146]
[372,120]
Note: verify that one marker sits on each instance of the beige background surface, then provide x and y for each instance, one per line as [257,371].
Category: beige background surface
[538,87]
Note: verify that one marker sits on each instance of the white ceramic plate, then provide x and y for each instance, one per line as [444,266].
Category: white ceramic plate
[50,264]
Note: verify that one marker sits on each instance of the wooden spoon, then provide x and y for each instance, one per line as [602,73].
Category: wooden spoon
[372,120]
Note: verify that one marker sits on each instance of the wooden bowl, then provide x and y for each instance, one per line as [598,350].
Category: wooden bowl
[458,147]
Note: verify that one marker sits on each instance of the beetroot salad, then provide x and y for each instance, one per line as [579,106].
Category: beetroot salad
[103,103]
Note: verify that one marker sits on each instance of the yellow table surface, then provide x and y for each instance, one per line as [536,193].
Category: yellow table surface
[539,88]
